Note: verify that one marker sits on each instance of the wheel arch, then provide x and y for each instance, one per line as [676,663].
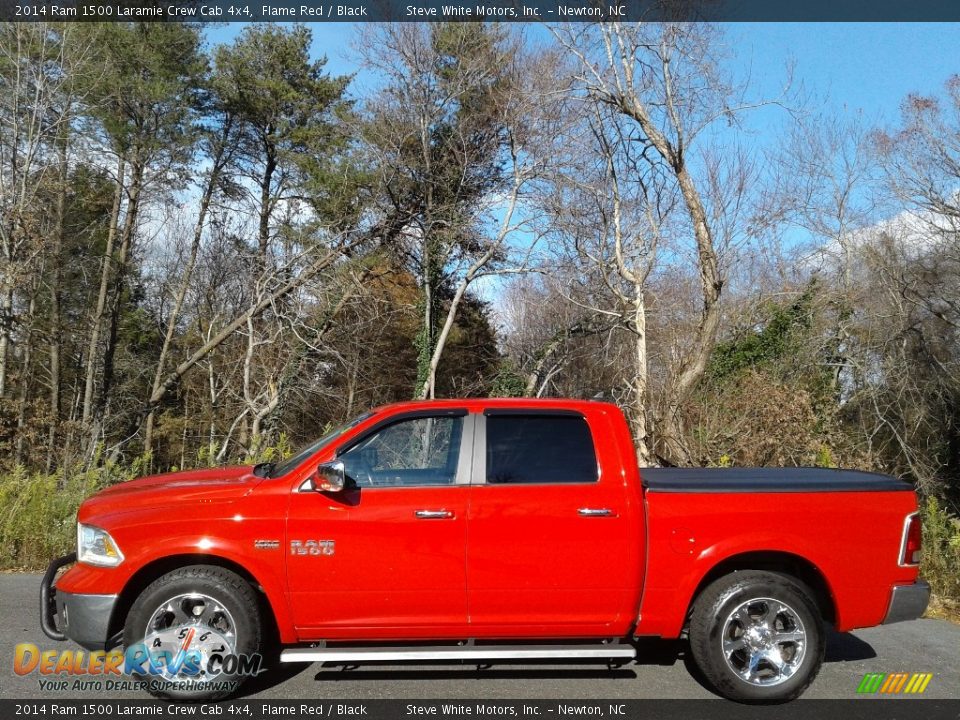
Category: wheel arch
[773,561]
[138,582]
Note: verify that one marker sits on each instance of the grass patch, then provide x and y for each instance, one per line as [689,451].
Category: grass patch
[940,563]
[38,512]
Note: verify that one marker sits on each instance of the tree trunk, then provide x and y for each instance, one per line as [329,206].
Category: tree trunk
[695,364]
[263,230]
[214,395]
[639,421]
[425,377]
[212,182]
[26,374]
[693,367]
[247,392]
[260,273]
[6,323]
[427,390]
[101,306]
[425,352]
[253,311]
[119,280]
[428,386]
[535,378]
[711,284]
[56,294]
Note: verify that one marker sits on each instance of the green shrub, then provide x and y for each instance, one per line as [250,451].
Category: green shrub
[38,511]
[280,450]
[940,564]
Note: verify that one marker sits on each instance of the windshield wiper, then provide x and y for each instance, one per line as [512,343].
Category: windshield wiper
[263,469]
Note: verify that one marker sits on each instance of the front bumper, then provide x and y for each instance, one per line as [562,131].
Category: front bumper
[907,602]
[85,618]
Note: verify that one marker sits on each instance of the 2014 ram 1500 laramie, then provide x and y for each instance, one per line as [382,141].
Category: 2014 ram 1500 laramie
[488,529]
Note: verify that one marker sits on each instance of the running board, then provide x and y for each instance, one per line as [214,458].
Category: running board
[458,652]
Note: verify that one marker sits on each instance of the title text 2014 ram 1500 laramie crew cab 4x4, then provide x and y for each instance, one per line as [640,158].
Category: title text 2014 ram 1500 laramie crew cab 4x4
[489,529]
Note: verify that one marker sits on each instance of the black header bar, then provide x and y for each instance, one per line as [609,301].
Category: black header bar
[310,11]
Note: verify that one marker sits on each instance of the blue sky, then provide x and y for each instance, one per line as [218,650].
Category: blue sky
[866,67]
[849,67]
[840,68]
[870,66]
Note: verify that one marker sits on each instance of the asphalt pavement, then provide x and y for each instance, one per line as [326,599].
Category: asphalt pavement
[928,646]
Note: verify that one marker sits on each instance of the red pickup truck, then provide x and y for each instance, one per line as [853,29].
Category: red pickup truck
[483,530]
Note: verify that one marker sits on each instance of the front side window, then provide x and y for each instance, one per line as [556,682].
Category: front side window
[525,449]
[314,447]
[408,453]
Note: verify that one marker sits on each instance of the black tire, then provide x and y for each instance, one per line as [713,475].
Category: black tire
[711,618]
[227,589]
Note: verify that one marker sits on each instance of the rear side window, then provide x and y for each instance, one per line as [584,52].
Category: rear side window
[525,449]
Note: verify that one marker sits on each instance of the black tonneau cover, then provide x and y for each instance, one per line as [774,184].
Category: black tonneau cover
[770,480]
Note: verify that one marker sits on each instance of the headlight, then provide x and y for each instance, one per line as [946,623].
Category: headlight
[96,547]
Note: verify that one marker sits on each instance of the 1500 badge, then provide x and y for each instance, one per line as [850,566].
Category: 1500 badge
[311,547]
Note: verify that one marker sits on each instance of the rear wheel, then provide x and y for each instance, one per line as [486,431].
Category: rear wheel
[757,636]
[188,631]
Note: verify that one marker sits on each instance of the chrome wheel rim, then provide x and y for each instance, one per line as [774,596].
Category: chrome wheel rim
[193,623]
[764,641]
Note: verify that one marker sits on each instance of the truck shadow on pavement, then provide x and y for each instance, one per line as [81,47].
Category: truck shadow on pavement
[502,671]
[841,647]
[276,673]
[844,647]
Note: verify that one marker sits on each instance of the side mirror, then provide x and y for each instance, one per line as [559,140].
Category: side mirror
[330,477]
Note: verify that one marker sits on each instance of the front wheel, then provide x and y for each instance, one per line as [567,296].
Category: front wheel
[194,634]
[757,636]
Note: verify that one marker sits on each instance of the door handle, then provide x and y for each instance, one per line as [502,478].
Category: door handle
[596,512]
[434,514]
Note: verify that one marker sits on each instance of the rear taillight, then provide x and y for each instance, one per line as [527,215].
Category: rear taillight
[912,540]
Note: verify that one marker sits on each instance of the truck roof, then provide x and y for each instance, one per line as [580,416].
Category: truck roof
[482,403]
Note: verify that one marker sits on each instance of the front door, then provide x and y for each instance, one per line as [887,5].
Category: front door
[385,558]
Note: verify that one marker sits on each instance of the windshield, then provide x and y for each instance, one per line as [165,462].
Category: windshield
[305,452]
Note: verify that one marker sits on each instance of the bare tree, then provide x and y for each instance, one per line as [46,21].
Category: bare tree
[507,246]
[610,209]
[143,108]
[666,80]
[219,152]
[38,67]
[908,359]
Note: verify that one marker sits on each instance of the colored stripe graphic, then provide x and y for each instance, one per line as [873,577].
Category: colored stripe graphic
[870,683]
[894,683]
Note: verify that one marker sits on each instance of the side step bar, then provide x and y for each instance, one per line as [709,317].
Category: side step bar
[460,652]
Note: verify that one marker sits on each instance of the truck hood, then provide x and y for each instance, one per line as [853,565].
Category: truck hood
[169,490]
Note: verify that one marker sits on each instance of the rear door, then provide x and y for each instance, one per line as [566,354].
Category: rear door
[386,558]
[551,550]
